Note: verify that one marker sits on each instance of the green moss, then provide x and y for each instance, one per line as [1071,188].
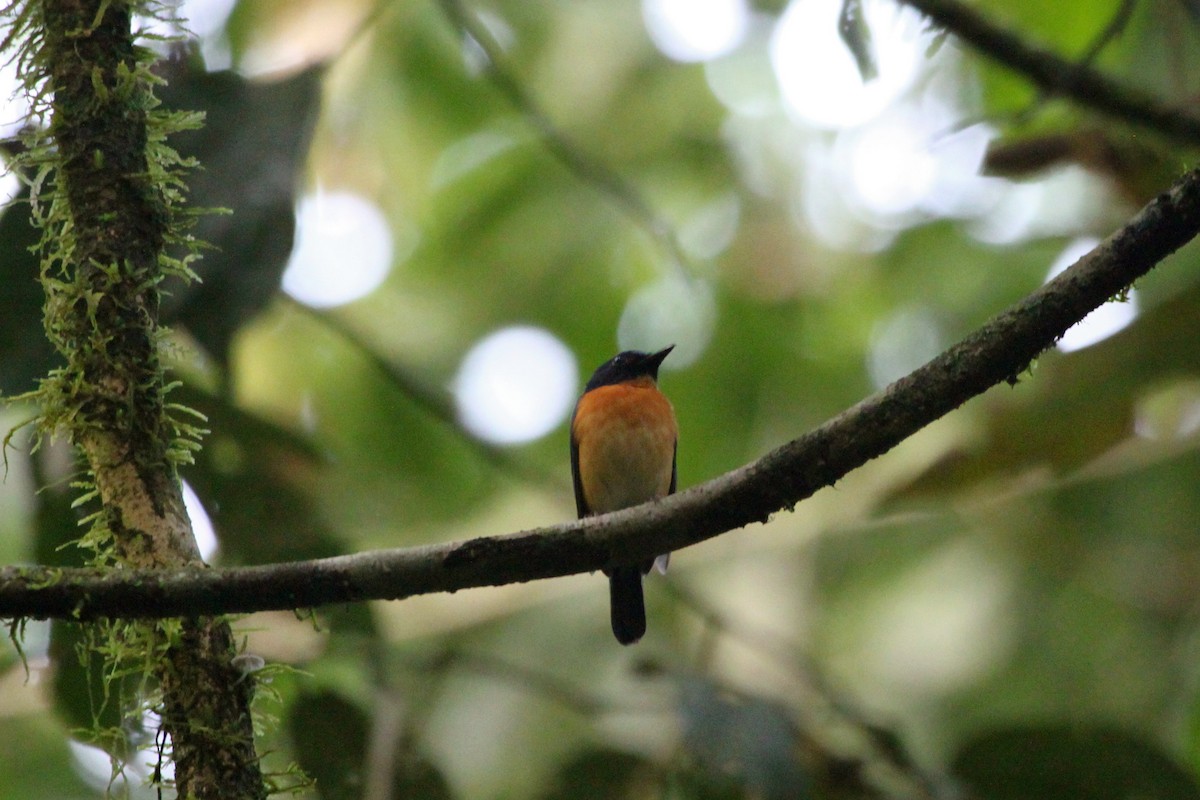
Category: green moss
[103,166]
[109,196]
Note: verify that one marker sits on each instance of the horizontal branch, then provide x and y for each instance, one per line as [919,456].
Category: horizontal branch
[1055,75]
[997,352]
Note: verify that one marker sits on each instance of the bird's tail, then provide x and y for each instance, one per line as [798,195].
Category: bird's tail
[628,606]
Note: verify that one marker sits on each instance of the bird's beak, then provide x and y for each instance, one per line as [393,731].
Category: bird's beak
[655,359]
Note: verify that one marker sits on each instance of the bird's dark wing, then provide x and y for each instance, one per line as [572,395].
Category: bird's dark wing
[581,505]
[673,475]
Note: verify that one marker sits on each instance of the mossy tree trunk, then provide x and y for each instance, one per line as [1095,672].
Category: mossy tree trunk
[111,217]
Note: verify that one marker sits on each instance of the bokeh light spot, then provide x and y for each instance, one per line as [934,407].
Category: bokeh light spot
[671,311]
[201,21]
[817,75]
[10,186]
[695,30]
[1169,413]
[944,624]
[343,250]
[13,100]
[1065,201]
[202,527]
[1105,320]
[901,343]
[744,79]
[890,167]
[91,763]
[516,385]
[711,229]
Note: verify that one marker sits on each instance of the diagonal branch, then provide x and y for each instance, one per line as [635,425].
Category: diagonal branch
[434,403]
[590,170]
[1055,75]
[997,352]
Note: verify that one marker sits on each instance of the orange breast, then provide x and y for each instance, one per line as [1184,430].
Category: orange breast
[626,437]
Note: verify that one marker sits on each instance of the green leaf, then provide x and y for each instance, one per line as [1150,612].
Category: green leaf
[600,774]
[749,740]
[332,737]
[1082,763]
[329,734]
[25,353]
[254,479]
[34,760]
[252,147]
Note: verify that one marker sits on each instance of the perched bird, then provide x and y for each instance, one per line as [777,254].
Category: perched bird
[623,442]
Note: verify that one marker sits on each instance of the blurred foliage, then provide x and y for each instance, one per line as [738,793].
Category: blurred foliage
[1060,761]
[254,140]
[1005,606]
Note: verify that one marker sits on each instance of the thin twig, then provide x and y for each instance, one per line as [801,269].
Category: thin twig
[535,681]
[1056,76]
[587,168]
[820,705]
[1115,27]
[432,401]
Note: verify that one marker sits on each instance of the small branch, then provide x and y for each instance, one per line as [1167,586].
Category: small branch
[818,707]
[534,681]
[435,403]
[1115,27]
[588,169]
[1056,76]
[997,352]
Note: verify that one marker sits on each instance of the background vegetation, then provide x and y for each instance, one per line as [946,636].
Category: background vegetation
[1002,607]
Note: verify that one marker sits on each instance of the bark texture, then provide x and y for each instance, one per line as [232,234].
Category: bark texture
[102,315]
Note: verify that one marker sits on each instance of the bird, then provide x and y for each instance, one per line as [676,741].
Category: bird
[624,440]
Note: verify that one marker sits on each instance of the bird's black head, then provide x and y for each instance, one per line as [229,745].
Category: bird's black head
[626,367]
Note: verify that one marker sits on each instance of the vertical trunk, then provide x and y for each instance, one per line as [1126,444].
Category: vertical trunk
[102,314]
